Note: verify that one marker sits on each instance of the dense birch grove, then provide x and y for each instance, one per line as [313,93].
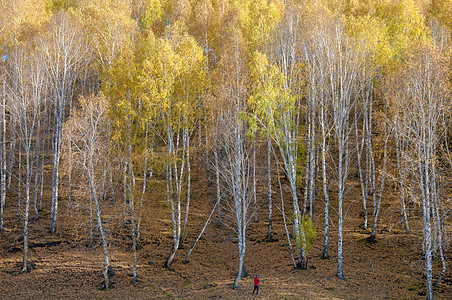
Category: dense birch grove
[102,99]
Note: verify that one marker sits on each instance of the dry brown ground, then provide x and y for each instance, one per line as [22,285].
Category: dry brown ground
[65,267]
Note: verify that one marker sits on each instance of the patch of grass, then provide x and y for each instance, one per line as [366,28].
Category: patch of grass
[168,294]
[412,288]
[186,284]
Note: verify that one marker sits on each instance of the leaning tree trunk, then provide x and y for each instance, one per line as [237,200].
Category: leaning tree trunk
[284,219]
[175,186]
[200,234]
[100,226]
[382,184]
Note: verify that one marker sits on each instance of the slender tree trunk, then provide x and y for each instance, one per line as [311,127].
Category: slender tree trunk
[306,192]
[145,167]
[187,206]
[3,160]
[91,235]
[55,175]
[200,234]
[325,254]
[168,187]
[428,246]
[284,219]
[41,183]
[38,148]
[382,183]
[312,166]
[436,215]
[12,150]
[27,209]
[124,186]
[340,274]
[402,175]
[359,149]
[299,232]
[132,213]
[174,193]
[256,219]
[19,184]
[70,156]
[217,184]
[269,191]
[424,172]
[93,190]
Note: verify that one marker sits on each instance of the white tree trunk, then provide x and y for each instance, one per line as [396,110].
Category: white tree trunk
[269,189]
[256,219]
[27,209]
[200,234]
[3,160]
[217,185]
[325,254]
[55,173]
[187,205]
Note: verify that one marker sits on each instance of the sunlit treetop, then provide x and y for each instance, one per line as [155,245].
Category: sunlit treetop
[21,19]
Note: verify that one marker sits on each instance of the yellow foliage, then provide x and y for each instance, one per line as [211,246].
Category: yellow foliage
[21,19]
[111,29]
[406,25]
[442,10]
[259,18]
[154,13]
[372,38]
[270,96]
[173,77]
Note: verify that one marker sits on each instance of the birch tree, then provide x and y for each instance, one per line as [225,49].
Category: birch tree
[287,117]
[27,91]
[342,68]
[63,49]
[90,130]
[231,90]
[173,79]
[3,150]
[316,49]
[425,97]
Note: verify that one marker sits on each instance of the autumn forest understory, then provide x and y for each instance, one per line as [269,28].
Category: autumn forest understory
[177,148]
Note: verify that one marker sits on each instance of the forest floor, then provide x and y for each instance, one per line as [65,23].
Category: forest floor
[66,265]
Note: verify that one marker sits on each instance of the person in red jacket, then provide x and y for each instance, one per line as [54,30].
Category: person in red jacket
[256,286]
